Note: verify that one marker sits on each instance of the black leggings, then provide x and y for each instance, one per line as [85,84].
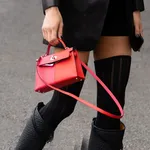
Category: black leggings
[114,72]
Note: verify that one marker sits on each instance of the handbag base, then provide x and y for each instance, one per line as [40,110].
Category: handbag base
[46,88]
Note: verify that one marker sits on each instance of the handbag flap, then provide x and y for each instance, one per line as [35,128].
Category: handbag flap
[50,59]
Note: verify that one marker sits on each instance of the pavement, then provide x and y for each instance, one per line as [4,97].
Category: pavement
[21,44]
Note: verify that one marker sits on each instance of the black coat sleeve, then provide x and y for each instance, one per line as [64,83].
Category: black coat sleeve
[138,5]
[49,3]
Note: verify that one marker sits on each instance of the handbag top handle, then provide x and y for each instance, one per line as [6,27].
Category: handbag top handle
[49,46]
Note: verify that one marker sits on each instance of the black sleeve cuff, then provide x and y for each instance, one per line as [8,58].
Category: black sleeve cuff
[49,3]
[138,5]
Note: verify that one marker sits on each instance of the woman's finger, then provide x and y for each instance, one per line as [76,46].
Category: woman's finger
[49,35]
[54,38]
[45,35]
[60,30]
[141,29]
[137,29]
[54,43]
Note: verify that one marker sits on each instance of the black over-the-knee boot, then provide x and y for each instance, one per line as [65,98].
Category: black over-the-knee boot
[36,133]
[40,127]
[102,139]
[107,133]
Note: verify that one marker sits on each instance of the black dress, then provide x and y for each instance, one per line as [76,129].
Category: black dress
[86,20]
[115,23]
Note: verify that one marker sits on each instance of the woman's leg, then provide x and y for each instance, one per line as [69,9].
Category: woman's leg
[112,65]
[45,118]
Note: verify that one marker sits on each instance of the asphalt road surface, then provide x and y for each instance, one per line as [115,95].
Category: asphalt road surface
[21,44]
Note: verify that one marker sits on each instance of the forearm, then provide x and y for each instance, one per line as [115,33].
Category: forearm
[49,3]
[138,5]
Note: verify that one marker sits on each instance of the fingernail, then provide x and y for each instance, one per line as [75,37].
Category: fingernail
[60,36]
[137,35]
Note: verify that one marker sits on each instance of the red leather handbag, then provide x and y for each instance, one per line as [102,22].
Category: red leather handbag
[59,69]
[63,68]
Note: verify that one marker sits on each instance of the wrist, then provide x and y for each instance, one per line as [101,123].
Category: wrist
[50,9]
[48,4]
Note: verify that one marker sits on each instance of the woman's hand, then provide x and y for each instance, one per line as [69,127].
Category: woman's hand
[52,27]
[137,23]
